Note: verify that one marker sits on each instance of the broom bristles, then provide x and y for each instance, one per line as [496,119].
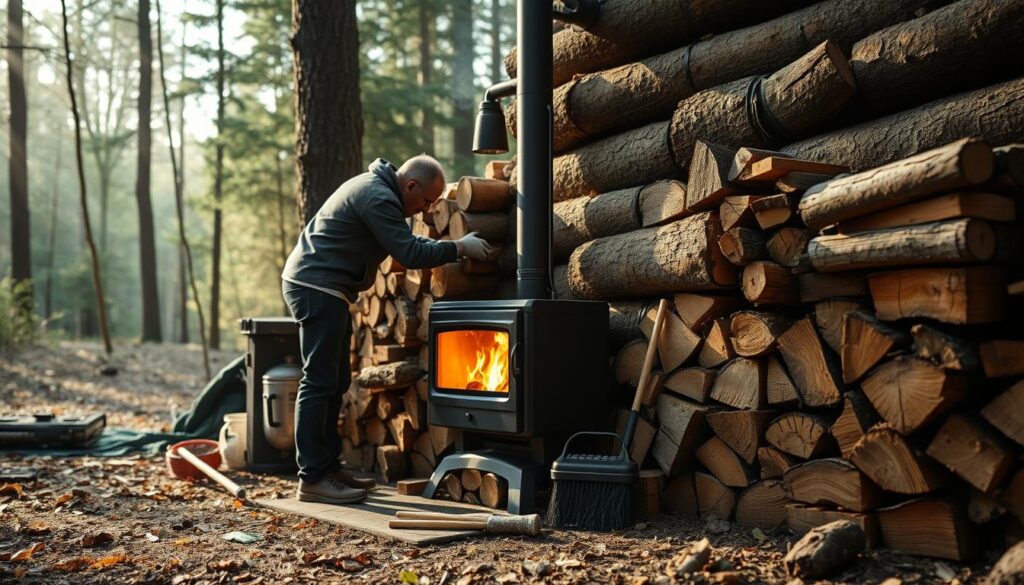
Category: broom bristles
[590,505]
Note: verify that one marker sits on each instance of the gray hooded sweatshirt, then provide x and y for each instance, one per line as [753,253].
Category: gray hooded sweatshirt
[358,226]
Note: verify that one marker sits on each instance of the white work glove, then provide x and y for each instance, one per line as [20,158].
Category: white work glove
[474,247]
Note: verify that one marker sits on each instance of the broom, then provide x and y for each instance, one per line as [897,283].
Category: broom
[594,491]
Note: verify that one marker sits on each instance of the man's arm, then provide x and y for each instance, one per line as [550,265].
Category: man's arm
[385,221]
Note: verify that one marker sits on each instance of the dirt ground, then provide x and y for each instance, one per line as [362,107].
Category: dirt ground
[125,520]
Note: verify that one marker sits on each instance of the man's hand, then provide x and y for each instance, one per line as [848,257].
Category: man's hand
[473,247]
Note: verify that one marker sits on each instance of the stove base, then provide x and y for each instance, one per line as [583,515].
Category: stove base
[519,471]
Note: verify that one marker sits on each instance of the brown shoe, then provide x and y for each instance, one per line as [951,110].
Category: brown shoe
[329,490]
[352,481]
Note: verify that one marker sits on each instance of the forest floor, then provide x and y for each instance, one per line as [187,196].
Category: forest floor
[125,520]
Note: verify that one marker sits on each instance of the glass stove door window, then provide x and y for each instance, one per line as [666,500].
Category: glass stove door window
[473,359]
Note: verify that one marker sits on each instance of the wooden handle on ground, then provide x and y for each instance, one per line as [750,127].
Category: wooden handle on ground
[235,489]
[652,348]
[413,515]
[438,524]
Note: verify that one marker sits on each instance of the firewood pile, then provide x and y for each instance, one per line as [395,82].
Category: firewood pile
[834,216]
[383,422]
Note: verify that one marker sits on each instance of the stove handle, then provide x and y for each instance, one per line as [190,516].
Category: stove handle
[513,358]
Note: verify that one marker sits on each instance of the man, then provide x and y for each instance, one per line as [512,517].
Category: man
[336,257]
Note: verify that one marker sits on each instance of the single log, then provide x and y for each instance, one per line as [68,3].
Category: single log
[801,518]
[441,212]
[818,286]
[854,421]
[394,375]
[741,384]
[679,256]
[973,451]
[697,311]
[717,348]
[801,97]
[908,63]
[815,370]
[352,455]
[741,245]
[866,341]
[800,434]
[762,505]
[929,527]
[774,210]
[992,114]
[416,283]
[470,479]
[692,383]
[944,350]
[708,180]
[453,487]
[830,317]
[909,392]
[832,481]
[713,497]
[966,295]
[825,549]
[491,226]
[479,195]
[774,463]
[724,463]
[767,283]
[493,491]
[941,207]
[643,435]
[779,388]
[885,456]
[1001,357]
[639,156]
[448,281]
[376,312]
[1006,412]
[390,463]
[683,427]
[742,430]
[788,247]
[792,183]
[737,211]
[956,241]
[676,343]
[756,333]
[680,496]
[582,219]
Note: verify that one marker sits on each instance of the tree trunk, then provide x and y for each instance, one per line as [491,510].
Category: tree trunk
[992,114]
[681,256]
[51,248]
[329,120]
[21,247]
[909,63]
[462,91]
[147,236]
[426,74]
[218,185]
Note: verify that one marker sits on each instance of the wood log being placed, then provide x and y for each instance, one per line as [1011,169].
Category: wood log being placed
[767,283]
[491,226]
[697,311]
[944,350]
[1001,357]
[832,481]
[801,97]
[866,341]
[449,281]
[742,430]
[992,114]
[825,549]
[774,463]
[1006,412]
[478,195]
[579,220]
[956,241]
[788,247]
[762,505]
[928,527]
[800,434]
[830,316]
[814,369]
[801,518]
[741,384]
[854,421]
[973,451]
[713,497]
[908,63]
[909,392]
[756,333]
[725,464]
[966,295]
[680,256]
[885,456]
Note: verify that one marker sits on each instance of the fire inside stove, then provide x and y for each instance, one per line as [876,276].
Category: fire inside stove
[473,359]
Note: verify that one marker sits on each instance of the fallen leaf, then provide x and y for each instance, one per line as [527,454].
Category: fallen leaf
[97,539]
[63,500]
[406,576]
[35,528]
[25,553]
[109,561]
[11,489]
[241,537]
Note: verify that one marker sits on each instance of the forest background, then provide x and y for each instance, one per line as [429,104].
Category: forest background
[423,65]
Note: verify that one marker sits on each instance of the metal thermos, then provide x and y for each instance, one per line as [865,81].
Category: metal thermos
[280,386]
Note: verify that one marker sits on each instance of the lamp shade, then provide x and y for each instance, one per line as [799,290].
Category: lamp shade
[489,134]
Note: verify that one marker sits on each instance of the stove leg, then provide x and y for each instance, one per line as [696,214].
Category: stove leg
[521,475]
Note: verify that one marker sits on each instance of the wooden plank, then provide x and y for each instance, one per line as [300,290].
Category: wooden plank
[948,206]
[773,167]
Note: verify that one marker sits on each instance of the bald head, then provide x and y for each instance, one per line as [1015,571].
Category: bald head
[422,181]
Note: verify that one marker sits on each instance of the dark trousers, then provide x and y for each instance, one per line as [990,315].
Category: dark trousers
[324,332]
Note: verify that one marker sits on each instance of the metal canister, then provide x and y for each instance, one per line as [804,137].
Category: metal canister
[280,387]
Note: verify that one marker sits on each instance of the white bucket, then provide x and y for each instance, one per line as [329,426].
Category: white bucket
[233,441]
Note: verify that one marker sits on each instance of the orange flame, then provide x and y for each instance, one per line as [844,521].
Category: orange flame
[473,360]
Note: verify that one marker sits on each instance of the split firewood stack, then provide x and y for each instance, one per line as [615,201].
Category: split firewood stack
[383,422]
[835,219]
